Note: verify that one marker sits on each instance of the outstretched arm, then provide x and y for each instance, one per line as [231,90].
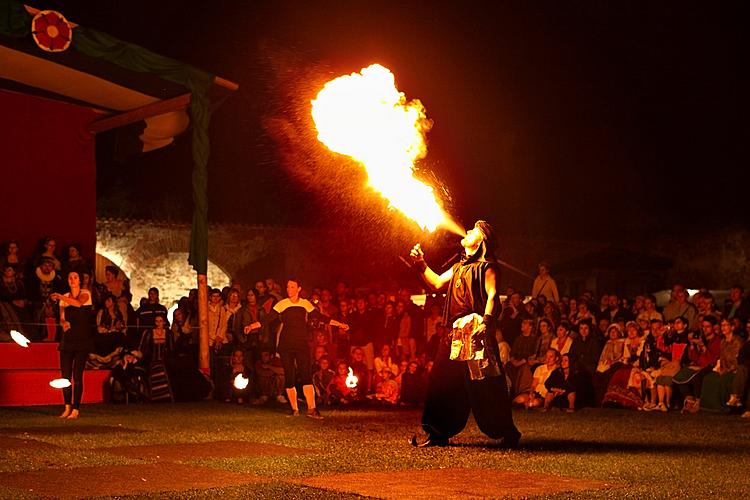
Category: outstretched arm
[433,279]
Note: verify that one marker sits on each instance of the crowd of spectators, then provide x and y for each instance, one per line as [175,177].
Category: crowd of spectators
[558,351]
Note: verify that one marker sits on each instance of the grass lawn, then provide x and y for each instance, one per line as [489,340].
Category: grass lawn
[648,455]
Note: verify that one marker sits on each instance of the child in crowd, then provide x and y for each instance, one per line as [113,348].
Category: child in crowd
[239,394]
[322,381]
[340,392]
[269,379]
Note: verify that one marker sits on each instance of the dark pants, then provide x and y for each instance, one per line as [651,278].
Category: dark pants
[296,364]
[452,395]
[72,364]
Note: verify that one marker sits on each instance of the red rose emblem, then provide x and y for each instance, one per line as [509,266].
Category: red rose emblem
[51,31]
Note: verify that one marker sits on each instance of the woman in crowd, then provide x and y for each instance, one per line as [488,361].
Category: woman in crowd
[562,386]
[584,355]
[113,284]
[624,388]
[536,396]
[609,360]
[385,360]
[49,246]
[12,257]
[14,314]
[156,342]
[562,342]
[76,262]
[546,333]
[110,328]
[76,342]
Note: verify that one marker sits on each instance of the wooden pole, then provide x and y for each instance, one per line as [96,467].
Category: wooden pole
[203,357]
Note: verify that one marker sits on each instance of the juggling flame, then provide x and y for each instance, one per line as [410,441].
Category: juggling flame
[60,383]
[351,379]
[240,382]
[19,339]
[364,116]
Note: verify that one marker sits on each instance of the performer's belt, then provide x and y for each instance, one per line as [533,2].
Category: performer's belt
[469,343]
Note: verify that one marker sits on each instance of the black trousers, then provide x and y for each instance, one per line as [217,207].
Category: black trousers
[296,364]
[452,396]
[72,364]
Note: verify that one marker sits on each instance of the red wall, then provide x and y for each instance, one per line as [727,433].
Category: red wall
[47,173]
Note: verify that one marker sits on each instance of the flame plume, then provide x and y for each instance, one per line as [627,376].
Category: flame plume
[365,117]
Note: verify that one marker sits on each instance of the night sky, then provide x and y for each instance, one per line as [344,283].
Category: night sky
[580,120]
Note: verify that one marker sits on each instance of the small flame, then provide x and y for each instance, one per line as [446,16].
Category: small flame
[364,116]
[240,382]
[351,379]
[19,339]
[60,383]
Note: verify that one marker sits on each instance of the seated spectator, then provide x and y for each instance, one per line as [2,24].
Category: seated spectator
[110,328]
[387,389]
[269,379]
[680,307]
[341,393]
[698,360]
[359,366]
[385,361]
[535,397]
[584,355]
[48,252]
[718,385]
[237,364]
[518,367]
[322,380]
[413,385]
[11,256]
[76,263]
[318,353]
[562,342]
[624,387]
[582,314]
[14,313]
[562,386]
[546,333]
[609,360]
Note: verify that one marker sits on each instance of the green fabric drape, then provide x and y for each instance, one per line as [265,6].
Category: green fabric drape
[15,21]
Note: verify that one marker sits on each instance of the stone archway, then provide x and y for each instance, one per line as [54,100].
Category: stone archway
[168,271]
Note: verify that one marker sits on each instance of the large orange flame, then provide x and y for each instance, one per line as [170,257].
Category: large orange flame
[364,116]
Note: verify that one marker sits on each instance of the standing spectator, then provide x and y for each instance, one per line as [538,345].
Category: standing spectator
[512,316]
[584,354]
[679,307]
[76,262]
[387,327]
[114,285]
[616,313]
[405,343]
[649,311]
[739,306]
[219,345]
[43,282]
[413,385]
[360,332]
[156,342]
[545,285]
[339,335]
[146,314]
[431,321]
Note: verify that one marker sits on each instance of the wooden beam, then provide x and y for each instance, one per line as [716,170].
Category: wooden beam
[227,84]
[138,114]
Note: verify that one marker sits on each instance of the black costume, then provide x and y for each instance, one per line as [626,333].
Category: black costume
[452,393]
[75,346]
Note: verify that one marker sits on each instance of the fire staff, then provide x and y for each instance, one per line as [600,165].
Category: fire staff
[459,385]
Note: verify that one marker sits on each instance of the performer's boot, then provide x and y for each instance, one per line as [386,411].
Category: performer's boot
[428,441]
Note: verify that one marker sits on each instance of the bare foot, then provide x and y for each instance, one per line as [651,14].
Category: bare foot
[73,415]
[67,411]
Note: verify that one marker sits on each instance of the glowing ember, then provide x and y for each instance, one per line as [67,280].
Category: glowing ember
[351,379]
[240,382]
[19,339]
[364,116]
[60,383]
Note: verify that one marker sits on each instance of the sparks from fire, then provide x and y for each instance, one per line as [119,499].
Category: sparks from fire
[365,117]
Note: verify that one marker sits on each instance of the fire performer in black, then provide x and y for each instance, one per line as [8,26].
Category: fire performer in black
[467,375]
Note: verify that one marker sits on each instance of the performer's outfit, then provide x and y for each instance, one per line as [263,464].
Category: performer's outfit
[75,346]
[458,387]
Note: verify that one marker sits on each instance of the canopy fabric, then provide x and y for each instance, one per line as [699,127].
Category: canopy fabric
[99,69]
